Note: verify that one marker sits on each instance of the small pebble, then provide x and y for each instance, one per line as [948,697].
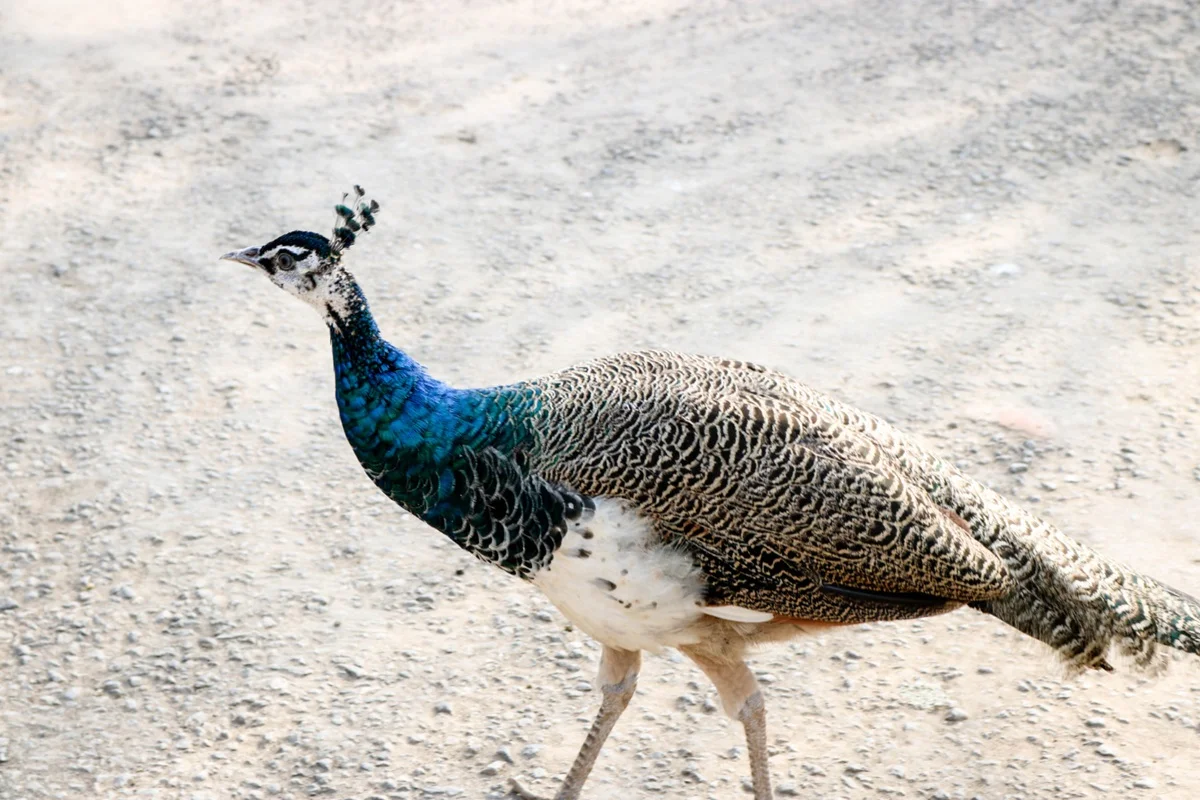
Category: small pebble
[1005,269]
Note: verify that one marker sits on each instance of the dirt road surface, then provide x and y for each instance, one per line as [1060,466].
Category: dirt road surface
[979,220]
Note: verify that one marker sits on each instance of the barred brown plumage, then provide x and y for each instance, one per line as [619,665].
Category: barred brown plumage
[804,511]
[778,490]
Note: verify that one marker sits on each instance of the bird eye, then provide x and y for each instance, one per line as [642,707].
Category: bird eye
[285,261]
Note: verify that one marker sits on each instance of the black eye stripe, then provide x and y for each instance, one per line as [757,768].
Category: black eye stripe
[268,263]
[272,251]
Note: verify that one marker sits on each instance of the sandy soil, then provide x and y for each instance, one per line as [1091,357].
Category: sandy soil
[977,219]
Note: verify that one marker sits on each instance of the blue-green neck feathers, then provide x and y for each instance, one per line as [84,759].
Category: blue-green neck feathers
[399,419]
[447,455]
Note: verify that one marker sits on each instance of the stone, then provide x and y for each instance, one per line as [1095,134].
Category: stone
[956,714]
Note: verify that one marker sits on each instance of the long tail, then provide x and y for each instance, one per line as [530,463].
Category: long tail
[1081,603]
[1067,595]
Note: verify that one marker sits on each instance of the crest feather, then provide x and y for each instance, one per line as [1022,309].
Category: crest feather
[353,216]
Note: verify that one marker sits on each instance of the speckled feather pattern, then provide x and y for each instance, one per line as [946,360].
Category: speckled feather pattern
[789,502]
[778,490]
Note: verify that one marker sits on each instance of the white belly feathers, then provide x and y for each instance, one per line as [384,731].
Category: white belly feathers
[619,584]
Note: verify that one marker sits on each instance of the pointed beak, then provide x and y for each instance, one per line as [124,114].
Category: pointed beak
[249,256]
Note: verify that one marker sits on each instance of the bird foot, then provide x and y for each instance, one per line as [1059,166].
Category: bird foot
[517,790]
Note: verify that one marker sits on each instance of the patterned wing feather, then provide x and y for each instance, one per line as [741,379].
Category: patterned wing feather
[793,502]
[785,507]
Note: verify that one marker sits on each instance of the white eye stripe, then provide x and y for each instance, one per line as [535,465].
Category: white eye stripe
[298,253]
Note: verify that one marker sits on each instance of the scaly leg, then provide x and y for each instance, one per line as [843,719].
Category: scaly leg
[617,679]
[742,700]
[754,720]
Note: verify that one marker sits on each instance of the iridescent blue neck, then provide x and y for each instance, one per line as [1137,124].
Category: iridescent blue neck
[405,426]
[451,456]
[379,387]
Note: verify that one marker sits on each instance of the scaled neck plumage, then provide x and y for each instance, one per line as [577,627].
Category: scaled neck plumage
[449,456]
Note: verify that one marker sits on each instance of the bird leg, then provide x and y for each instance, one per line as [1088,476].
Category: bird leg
[743,700]
[754,719]
[618,680]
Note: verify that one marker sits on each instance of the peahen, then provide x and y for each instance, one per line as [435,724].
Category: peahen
[668,500]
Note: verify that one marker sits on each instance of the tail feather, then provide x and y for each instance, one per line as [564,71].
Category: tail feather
[1083,604]
[1066,594]
[1158,614]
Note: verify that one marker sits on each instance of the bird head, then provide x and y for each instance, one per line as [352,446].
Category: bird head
[306,264]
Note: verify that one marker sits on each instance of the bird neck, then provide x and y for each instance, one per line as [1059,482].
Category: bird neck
[346,312]
[379,387]
[411,432]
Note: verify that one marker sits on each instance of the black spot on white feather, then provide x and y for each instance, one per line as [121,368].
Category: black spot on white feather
[587,534]
[579,552]
[604,584]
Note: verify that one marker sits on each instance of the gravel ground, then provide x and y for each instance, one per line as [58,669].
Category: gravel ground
[979,220]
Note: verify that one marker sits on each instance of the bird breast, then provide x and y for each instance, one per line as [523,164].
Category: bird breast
[619,583]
